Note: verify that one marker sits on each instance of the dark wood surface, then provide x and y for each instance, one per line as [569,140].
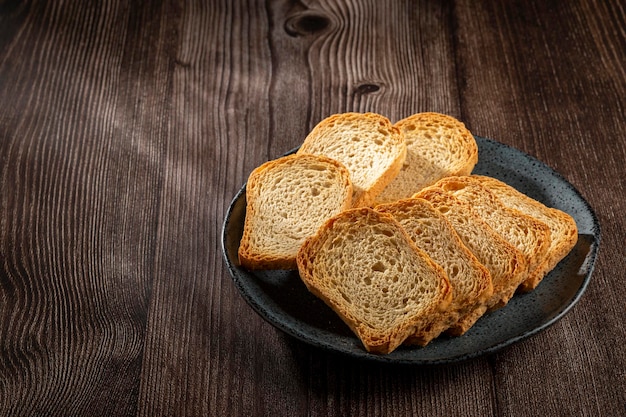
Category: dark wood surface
[127,127]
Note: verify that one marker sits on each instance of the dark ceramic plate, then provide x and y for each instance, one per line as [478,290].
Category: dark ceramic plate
[283,300]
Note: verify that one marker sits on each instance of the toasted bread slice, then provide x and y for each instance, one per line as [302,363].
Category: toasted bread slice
[528,234]
[369,146]
[470,280]
[438,146]
[365,267]
[505,263]
[563,229]
[287,200]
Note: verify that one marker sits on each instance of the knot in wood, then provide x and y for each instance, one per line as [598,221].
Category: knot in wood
[367,88]
[307,23]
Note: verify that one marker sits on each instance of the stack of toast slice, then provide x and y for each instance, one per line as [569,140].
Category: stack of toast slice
[471,282]
[386,225]
[364,265]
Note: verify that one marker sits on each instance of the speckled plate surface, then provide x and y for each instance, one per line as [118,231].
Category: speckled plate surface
[283,300]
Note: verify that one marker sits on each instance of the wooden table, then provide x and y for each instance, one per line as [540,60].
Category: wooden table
[127,127]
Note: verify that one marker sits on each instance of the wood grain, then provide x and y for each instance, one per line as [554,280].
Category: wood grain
[550,96]
[220,113]
[127,128]
[81,173]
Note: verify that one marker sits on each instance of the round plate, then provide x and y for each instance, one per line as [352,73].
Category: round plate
[281,298]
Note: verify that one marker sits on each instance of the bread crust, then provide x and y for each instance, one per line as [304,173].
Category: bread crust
[563,228]
[529,235]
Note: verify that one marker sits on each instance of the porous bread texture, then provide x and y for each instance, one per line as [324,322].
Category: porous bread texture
[470,280]
[563,229]
[505,263]
[438,146]
[287,200]
[365,267]
[369,146]
[529,235]
[440,248]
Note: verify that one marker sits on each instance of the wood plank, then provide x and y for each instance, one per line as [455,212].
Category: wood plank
[81,173]
[125,130]
[206,351]
[556,90]
[201,348]
[392,59]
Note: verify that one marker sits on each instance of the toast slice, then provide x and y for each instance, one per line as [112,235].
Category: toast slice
[287,200]
[438,146]
[365,267]
[369,146]
[470,280]
[529,235]
[505,263]
[563,229]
